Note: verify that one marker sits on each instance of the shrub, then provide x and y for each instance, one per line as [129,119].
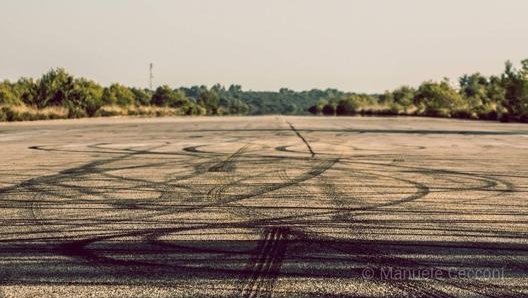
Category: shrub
[436,112]
[346,107]
[462,114]
[328,109]
[489,115]
[109,111]
[3,116]
[506,117]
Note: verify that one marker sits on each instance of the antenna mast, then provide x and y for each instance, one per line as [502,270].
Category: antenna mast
[151,75]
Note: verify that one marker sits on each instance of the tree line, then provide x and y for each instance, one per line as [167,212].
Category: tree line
[501,97]
[57,94]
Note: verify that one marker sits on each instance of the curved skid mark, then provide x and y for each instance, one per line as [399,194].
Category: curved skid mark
[315,171]
[302,139]
[228,165]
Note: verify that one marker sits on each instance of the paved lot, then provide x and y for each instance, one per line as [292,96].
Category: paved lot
[263,207]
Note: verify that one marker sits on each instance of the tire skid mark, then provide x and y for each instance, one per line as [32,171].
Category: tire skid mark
[259,283]
[475,286]
[194,149]
[286,149]
[228,165]
[489,180]
[265,266]
[35,184]
[302,138]
[421,191]
[218,191]
[378,259]
[421,289]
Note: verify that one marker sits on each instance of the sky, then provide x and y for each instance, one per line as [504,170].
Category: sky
[353,45]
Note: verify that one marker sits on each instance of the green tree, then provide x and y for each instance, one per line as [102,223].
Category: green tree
[328,109]
[119,95]
[239,107]
[313,110]
[86,95]
[8,96]
[143,97]
[438,99]
[53,88]
[495,90]
[386,98]
[210,101]
[515,82]
[404,96]
[290,109]
[166,96]
[347,107]
[26,90]
[481,95]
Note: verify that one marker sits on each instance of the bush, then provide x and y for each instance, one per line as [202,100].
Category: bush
[395,109]
[166,97]
[462,114]
[489,115]
[328,110]
[346,107]
[10,114]
[379,112]
[506,117]
[3,116]
[75,112]
[313,110]
[435,112]
[108,111]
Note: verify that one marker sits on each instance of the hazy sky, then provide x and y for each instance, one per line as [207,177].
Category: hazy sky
[354,45]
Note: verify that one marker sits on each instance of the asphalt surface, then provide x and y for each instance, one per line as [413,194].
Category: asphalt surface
[263,207]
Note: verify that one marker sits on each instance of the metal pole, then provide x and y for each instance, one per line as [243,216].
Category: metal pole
[151,75]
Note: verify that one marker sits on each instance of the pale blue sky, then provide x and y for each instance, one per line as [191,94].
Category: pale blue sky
[353,45]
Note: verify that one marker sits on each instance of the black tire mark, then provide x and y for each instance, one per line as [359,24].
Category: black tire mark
[474,286]
[266,265]
[421,170]
[420,289]
[378,260]
[422,190]
[217,192]
[194,149]
[488,185]
[32,185]
[228,165]
[302,138]
[285,149]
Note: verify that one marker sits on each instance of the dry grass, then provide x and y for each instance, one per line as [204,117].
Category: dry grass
[113,110]
[28,113]
[25,113]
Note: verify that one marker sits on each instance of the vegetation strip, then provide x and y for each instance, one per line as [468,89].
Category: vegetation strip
[58,94]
